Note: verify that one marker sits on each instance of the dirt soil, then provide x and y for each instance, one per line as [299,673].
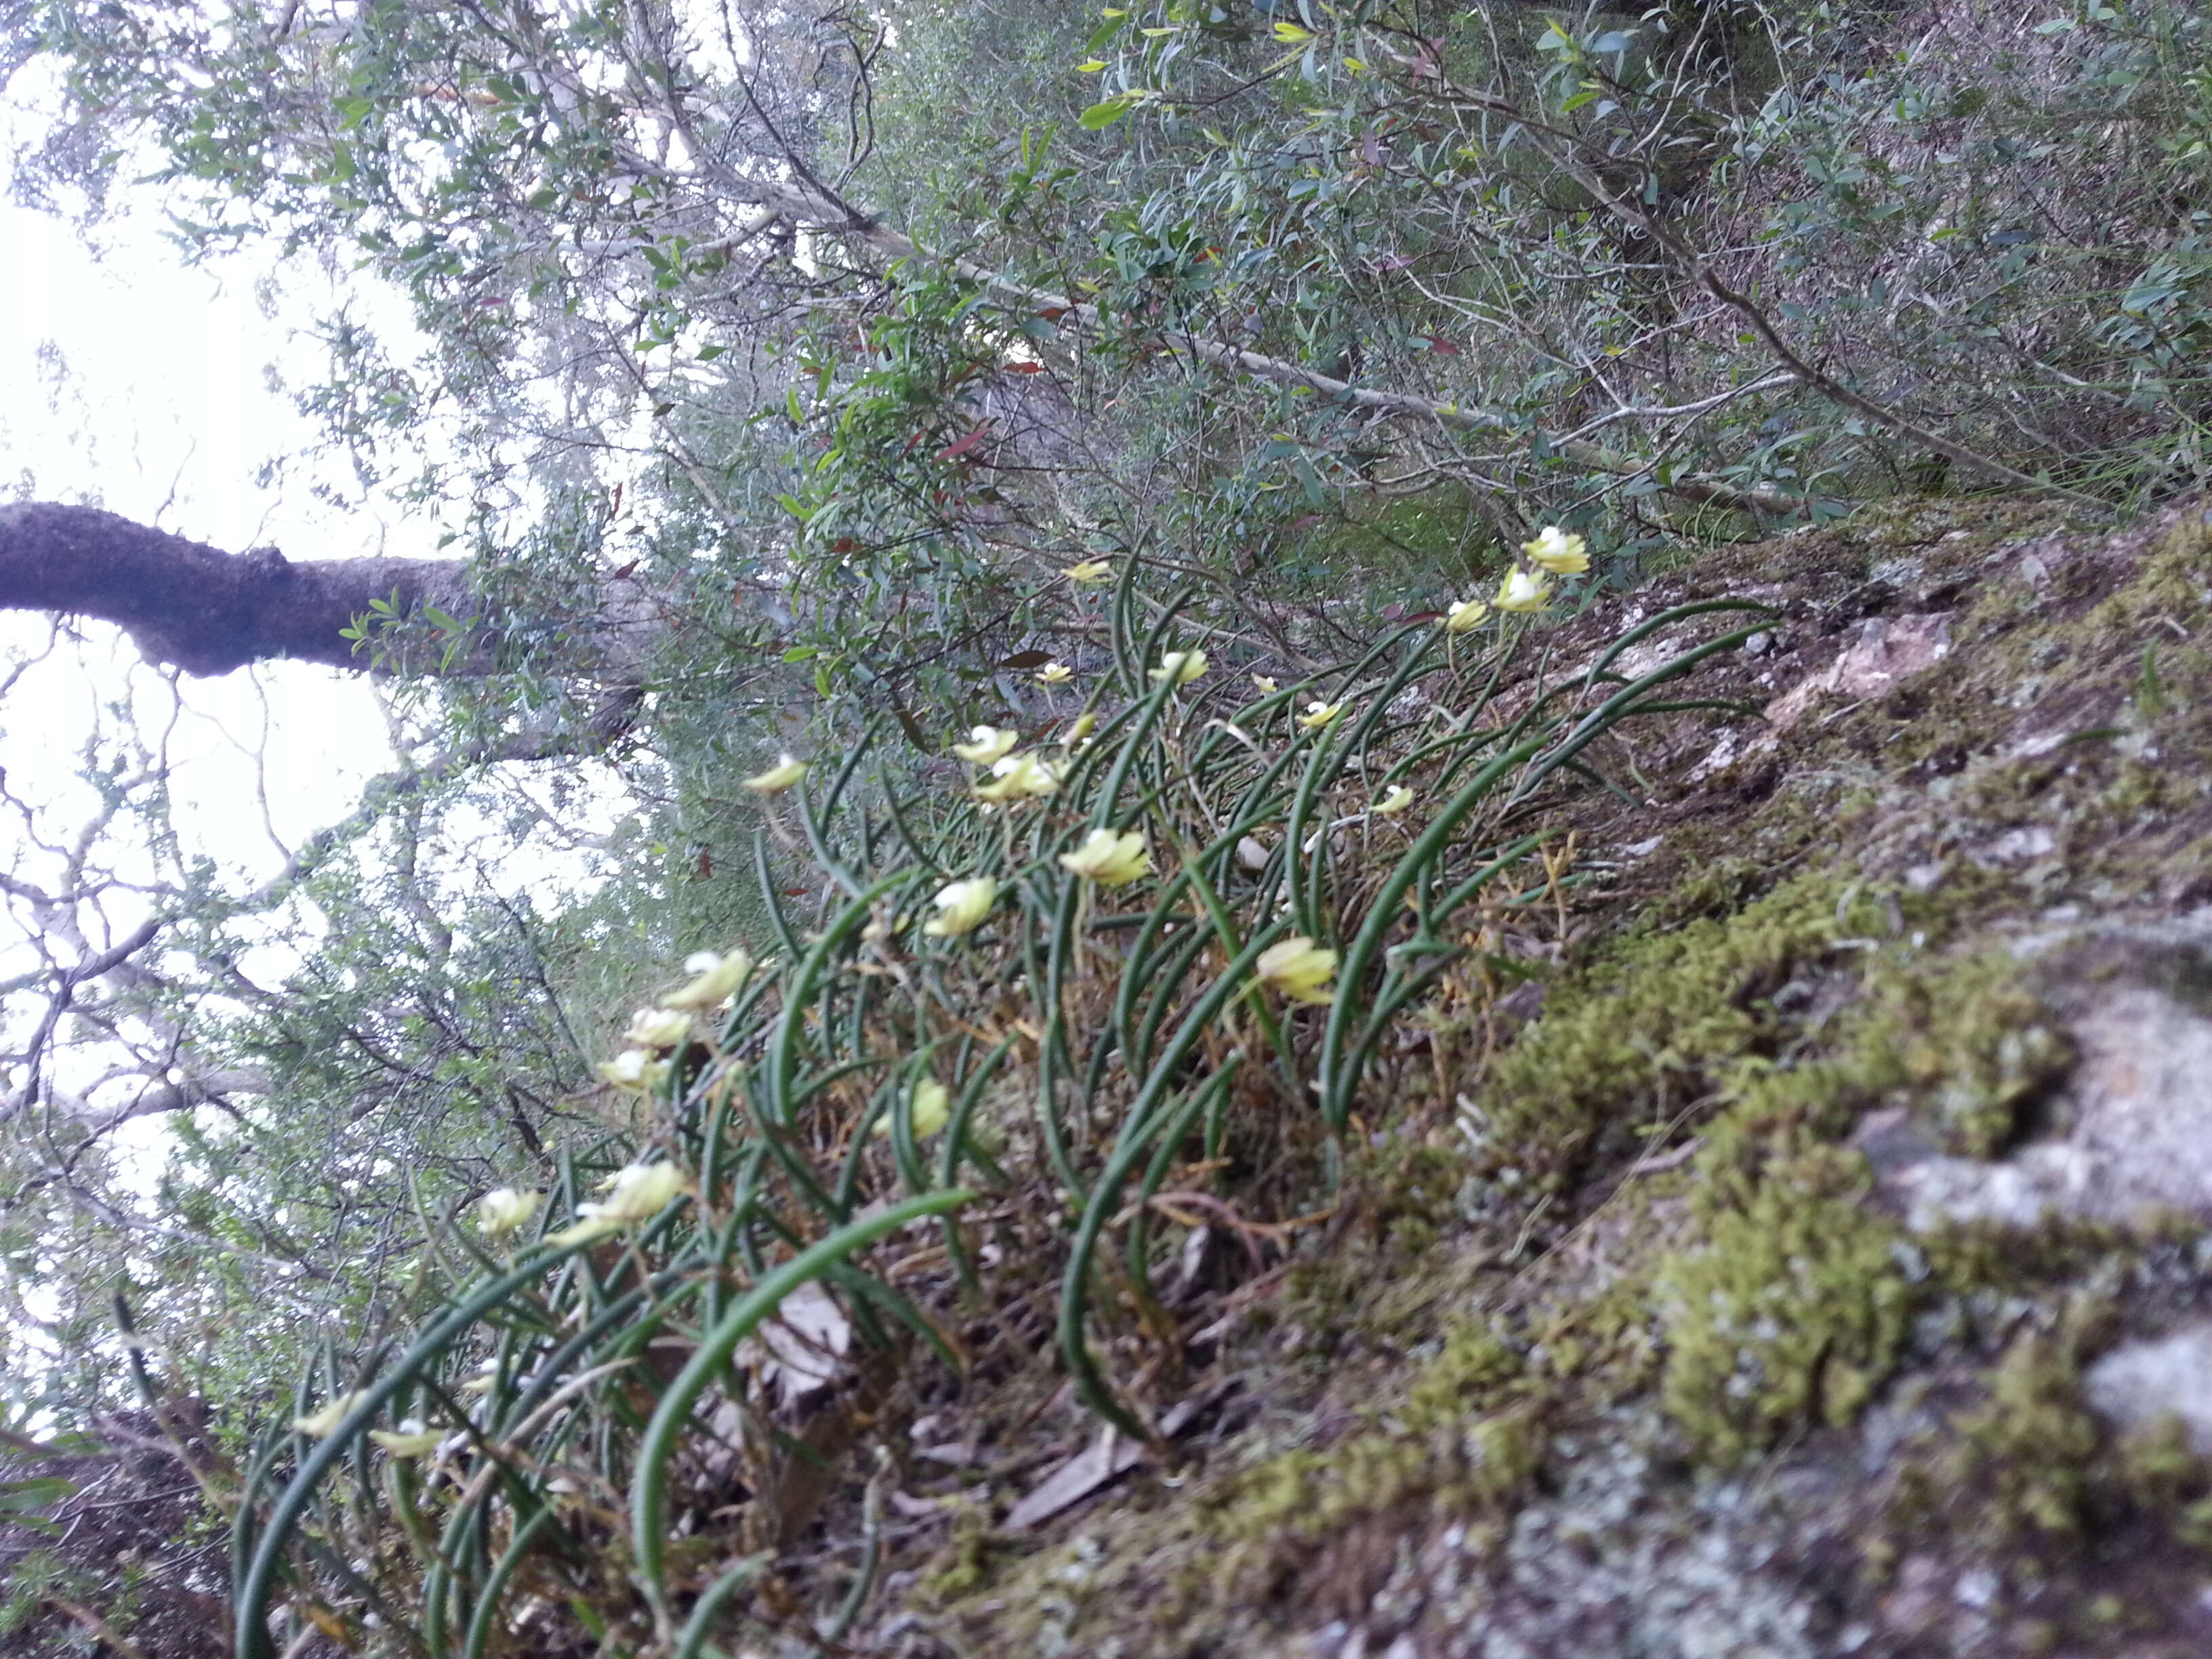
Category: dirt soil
[114,1552]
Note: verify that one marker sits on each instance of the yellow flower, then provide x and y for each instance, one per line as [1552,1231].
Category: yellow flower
[1054,673]
[504,1209]
[961,906]
[1319,715]
[1089,572]
[1522,592]
[324,1424]
[1296,968]
[1396,802]
[1266,684]
[658,1028]
[635,1069]
[1018,777]
[1181,666]
[1110,859]
[986,744]
[1084,724]
[412,1440]
[932,1110]
[778,778]
[1465,615]
[634,1193]
[1558,552]
[716,977]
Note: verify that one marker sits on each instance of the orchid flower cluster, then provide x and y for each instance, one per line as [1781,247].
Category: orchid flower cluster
[1554,553]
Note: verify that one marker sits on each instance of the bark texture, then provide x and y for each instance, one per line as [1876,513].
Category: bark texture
[205,610]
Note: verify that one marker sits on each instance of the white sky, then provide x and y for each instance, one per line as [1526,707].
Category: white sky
[131,383]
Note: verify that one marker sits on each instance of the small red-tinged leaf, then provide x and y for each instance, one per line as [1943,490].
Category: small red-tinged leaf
[794,892]
[843,545]
[1024,369]
[1026,659]
[1053,313]
[1394,611]
[1304,521]
[1443,346]
[707,864]
[625,573]
[962,446]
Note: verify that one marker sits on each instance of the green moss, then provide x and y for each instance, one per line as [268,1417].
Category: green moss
[1630,1045]
[2019,1467]
[962,1565]
[1788,1315]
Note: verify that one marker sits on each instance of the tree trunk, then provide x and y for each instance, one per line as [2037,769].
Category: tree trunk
[205,610]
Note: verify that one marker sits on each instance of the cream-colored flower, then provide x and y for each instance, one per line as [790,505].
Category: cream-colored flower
[412,1439]
[1082,727]
[324,1424]
[1089,572]
[658,1028]
[1319,715]
[1393,803]
[1110,859]
[1558,552]
[1522,592]
[1266,683]
[987,743]
[715,977]
[778,778]
[504,1209]
[1054,673]
[961,906]
[932,1110]
[1296,968]
[1465,615]
[636,1069]
[1181,666]
[635,1192]
[1018,777]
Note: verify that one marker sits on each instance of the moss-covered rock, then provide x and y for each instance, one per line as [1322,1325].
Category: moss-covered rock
[1636,1345]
